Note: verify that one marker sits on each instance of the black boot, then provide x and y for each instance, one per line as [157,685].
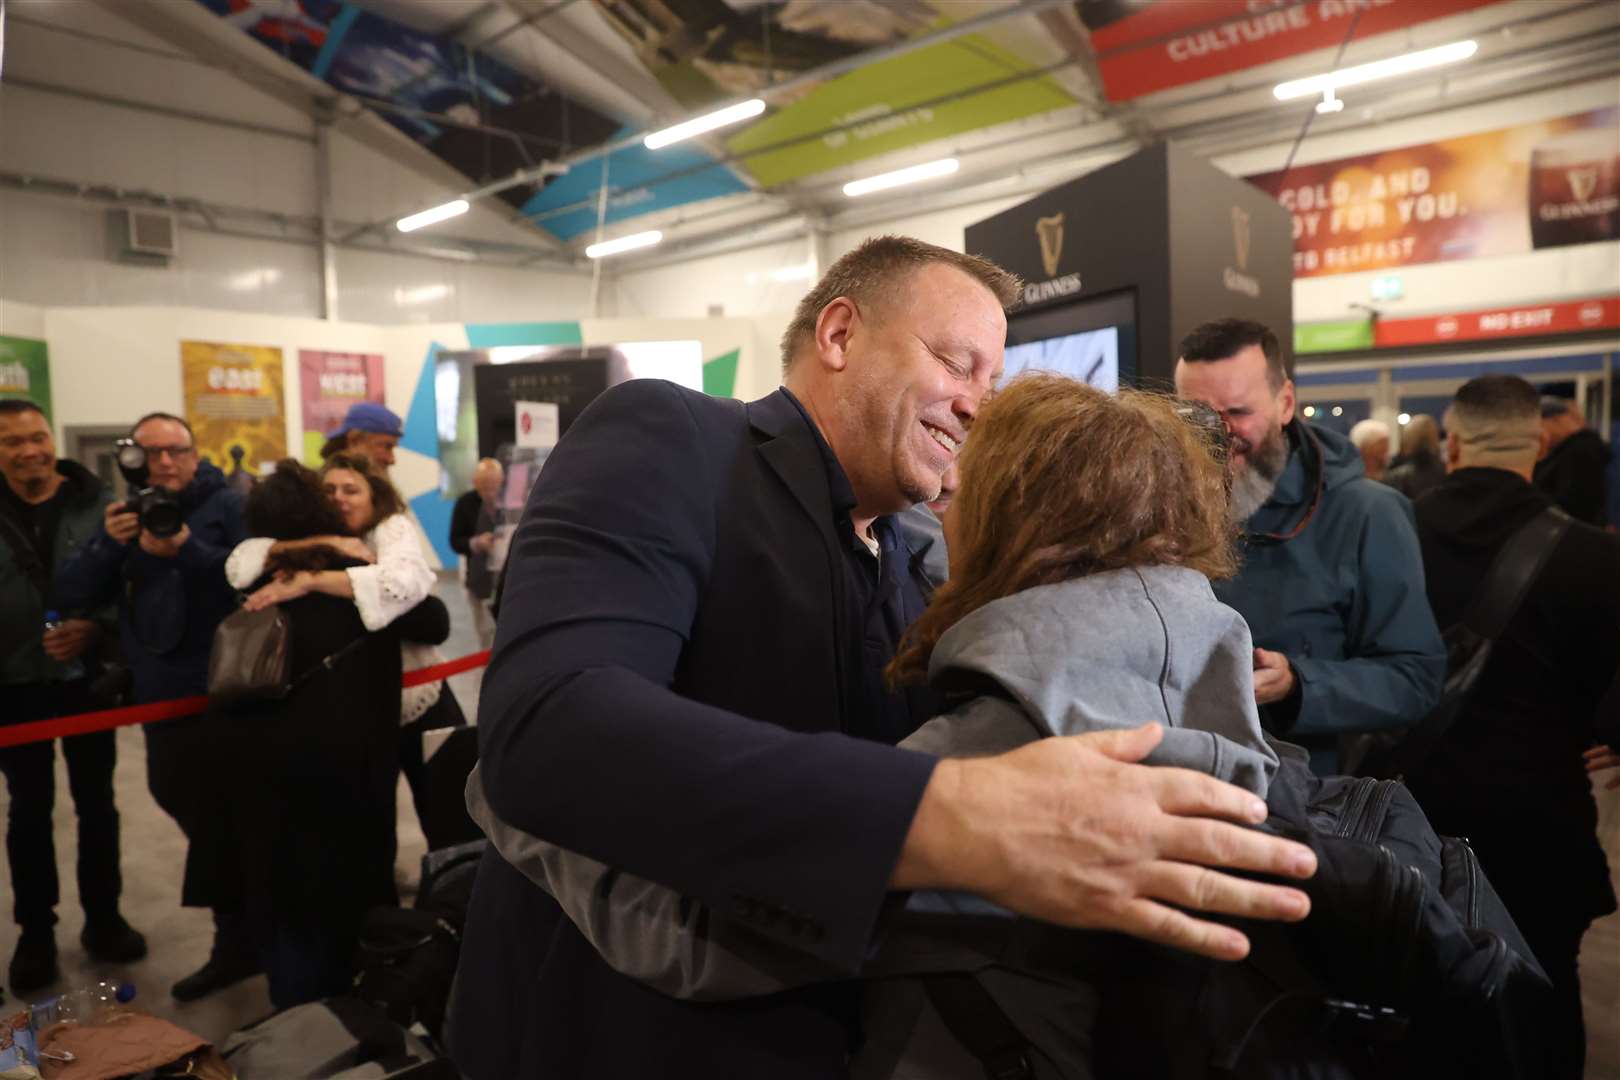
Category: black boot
[232,959]
[33,965]
[111,940]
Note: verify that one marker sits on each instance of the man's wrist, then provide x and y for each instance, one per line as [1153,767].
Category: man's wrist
[933,853]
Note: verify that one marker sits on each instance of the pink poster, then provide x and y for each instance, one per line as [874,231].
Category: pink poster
[331,382]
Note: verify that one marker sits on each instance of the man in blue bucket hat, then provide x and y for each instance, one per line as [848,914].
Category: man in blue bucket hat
[370,430]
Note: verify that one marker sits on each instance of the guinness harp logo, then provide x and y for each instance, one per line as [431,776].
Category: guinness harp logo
[1582,182]
[1049,231]
[1240,237]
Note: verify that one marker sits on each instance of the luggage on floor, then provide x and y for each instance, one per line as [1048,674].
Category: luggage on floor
[335,1039]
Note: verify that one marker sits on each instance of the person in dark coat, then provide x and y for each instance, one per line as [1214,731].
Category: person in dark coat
[172,594]
[1420,466]
[313,776]
[687,685]
[1574,467]
[1509,773]
[472,535]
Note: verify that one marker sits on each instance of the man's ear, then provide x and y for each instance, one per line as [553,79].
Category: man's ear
[1453,451]
[1545,444]
[834,326]
[1286,401]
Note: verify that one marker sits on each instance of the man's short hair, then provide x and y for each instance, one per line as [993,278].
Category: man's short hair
[1222,339]
[136,426]
[1555,406]
[1497,419]
[870,273]
[18,406]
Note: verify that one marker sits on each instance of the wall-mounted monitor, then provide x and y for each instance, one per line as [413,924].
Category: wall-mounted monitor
[1093,340]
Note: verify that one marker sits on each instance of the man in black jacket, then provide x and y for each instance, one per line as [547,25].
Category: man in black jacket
[1574,468]
[1509,773]
[688,685]
[472,535]
[48,508]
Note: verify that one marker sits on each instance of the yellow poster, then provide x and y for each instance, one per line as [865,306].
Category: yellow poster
[234,404]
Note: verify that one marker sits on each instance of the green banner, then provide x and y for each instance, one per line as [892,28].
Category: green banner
[25,372]
[1333,336]
[887,104]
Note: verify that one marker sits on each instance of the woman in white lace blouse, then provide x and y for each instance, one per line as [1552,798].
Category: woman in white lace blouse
[395,579]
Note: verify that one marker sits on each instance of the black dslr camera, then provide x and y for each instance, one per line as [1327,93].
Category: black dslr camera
[157,509]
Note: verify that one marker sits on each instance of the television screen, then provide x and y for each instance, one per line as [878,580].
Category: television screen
[1092,339]
[1092,356]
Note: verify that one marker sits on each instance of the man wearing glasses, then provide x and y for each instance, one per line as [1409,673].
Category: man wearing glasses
[1332,579]
[171,594]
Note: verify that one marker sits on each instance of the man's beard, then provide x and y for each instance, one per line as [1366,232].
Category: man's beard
[1263,466]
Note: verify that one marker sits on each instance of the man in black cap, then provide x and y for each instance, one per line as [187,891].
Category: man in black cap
[370,430]
[1574,465]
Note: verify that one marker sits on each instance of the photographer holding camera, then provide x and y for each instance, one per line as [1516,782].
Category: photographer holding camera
[160,555]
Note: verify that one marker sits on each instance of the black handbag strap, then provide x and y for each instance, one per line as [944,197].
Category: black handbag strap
[978,1023]
[327,663]
[1514,570]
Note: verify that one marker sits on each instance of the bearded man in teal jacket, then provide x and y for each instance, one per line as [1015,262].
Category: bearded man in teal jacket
[1332,577]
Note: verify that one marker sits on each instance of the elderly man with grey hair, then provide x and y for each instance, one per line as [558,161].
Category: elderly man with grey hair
[1371,437]
[472,535]
[1508,774]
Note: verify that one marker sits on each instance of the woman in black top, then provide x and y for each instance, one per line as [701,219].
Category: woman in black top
[315,774]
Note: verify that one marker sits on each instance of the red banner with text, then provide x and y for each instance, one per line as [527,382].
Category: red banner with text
[1532,320]
[1501,192]
[1144,47]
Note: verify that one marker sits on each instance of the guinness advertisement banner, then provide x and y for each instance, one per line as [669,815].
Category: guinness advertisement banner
[1498,193]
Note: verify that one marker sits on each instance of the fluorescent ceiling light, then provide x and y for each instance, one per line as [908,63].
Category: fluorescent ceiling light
[732,114]
[453,208]
[884,181]
[624,243]
[1381,69]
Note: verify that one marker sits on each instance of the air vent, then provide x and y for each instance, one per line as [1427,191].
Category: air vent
[148,235]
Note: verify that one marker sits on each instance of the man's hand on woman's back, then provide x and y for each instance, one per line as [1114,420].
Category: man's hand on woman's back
[1073,831]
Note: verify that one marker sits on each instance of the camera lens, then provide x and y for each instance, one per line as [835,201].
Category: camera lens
[130,454]
[161,516]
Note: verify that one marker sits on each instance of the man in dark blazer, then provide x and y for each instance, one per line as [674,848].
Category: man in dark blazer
[687,685]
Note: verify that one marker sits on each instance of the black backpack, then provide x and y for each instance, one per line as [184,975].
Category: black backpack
[408,956]
[1408,966]
[1518,563]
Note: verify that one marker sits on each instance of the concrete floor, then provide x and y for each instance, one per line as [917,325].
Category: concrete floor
[179,937]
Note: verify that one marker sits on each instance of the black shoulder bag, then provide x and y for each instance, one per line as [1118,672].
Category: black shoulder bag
[251,661]
[33,569]
[1391,755]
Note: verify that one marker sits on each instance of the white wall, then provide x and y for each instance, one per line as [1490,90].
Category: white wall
[21,320]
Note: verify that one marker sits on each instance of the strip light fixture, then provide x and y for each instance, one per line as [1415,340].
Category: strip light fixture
[624,243]
[731,114]
[1379,69]
[453,208]
[898,178]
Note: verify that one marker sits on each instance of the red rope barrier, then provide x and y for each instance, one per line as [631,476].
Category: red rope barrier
[58,727]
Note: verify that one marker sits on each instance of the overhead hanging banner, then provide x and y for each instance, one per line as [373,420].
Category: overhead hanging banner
[1502,192]
[1534,320]
[330,382]
[1144,47]
[25,372]
[234,404]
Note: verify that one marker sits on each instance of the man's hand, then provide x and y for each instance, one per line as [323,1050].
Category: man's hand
[1071,831]
[1273,677]
[122,524]
[166,547]
[483,543]
[1600,758]
[70,639]
[285,587]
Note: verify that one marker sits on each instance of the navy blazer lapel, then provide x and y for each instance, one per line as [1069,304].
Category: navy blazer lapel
[790,449]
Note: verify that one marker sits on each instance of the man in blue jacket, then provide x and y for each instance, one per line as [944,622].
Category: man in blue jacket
[172,594]
[48,508]
[1332,578]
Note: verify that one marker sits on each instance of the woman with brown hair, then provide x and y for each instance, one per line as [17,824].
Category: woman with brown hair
[1081,546]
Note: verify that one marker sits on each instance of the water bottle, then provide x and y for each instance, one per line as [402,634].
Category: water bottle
[82,1004]
[52,621]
